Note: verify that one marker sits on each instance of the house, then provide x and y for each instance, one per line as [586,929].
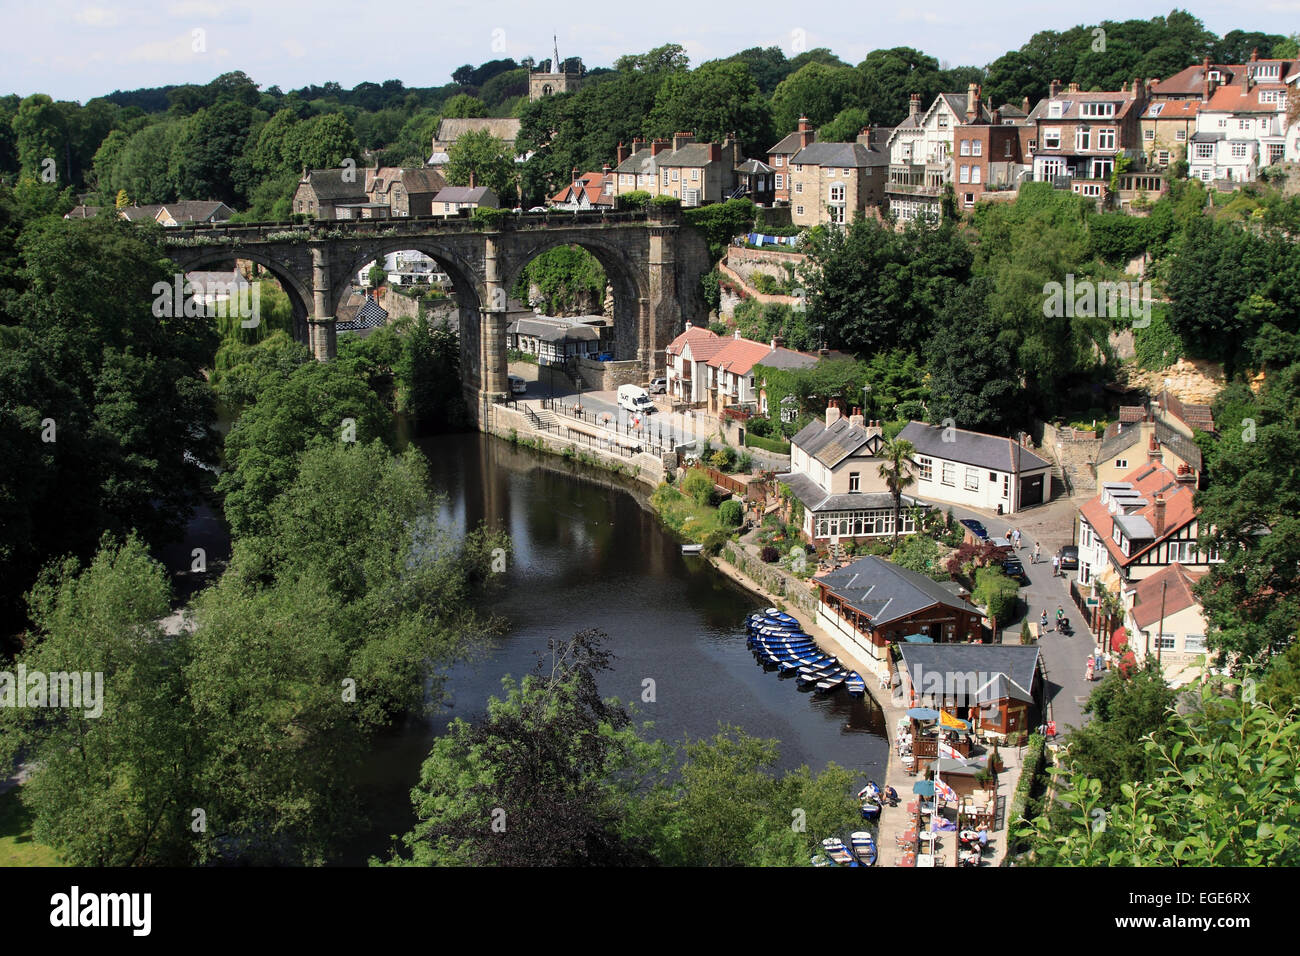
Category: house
[1079,135]
[450,130]
[82,212]
[1242,126]
[755,180]
[1135,527]
[175,213]
[835,476]
[832,182]
[1164,618]
[404,191]
[555,340]
[716,371]
[999,688]
[147,213]
[1151,437]
[326,193]
[587,191]
[779,156]
[450,200]
[1167,127]
[1195,83]
[695,173]
[958,141]
[368,317]
[873,603]
[979,471]
[687,373]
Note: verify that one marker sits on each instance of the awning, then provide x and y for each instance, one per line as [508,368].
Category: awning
[918,639]
[924,788]
[923,713]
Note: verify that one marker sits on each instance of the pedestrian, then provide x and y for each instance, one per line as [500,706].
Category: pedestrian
[1035,561]
[1060,615]
[1042,625]
[1056,566]
[1016,535]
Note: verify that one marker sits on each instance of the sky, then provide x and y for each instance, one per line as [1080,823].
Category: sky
[84,48]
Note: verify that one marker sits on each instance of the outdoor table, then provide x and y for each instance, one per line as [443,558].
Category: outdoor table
[928,836]
[925,859]
[907,861]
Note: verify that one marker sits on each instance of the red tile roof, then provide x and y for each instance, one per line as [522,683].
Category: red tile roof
[1132,413]
[593,184]
[704,344]
[738,356]
[1176,597]
[1239,99]
[1149,481]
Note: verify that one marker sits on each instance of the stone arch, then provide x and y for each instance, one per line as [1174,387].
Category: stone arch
[470,290]
[298,290]
[626,276]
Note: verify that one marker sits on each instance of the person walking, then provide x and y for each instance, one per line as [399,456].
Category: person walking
[1035,560]
[1060,616]
[1042,625]
[1015,536]
[1056,566]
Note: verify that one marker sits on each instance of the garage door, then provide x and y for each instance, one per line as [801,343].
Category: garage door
[1031,490]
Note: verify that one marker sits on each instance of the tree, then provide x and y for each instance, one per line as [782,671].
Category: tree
[713,102]
[896,470]
[208,158]
[768,66]
[480,156]
[973,375]
[669,58]
[846,126]
[322,142]
[888,78]
[113,783]
[463,106]
[545,780]
[41,134]
[816,91]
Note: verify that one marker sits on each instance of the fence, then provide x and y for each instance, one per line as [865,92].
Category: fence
[1098,621]
[609,422]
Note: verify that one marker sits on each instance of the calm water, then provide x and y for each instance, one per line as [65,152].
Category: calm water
[587,554]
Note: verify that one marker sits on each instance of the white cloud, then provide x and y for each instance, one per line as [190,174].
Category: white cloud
[96,17]
[294,48]
[178,49]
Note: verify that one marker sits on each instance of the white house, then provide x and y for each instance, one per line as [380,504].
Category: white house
[1163,616]
[979,471]
[1242,127]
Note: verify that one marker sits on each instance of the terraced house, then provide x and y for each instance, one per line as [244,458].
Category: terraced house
[696,173]
[832,182]
[1079,136]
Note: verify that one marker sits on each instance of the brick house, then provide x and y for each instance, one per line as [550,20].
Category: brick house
[778,157]
[1079,135]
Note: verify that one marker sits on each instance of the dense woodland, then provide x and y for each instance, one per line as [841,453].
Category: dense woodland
[244,717]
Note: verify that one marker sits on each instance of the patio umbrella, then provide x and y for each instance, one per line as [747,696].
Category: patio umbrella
[924,787]
[923,713]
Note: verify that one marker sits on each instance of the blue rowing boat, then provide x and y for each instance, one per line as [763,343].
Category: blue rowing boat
[864,847]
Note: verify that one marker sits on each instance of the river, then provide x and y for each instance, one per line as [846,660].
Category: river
[588,554]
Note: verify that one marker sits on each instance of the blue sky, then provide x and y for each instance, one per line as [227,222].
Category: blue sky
[80,49]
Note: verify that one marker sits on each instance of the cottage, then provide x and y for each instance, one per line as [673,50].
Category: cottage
[555,340]
[835,475]
[452,199]
[873,603]
[979,471]
[587,191]
[176,213]
[695,173]
[325,193]
[1164,618]
[404,191]
[997,687]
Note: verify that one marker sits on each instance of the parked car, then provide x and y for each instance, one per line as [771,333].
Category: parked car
[975,527]
[1069,556]
[518,386]
[658,386]
[1014,570]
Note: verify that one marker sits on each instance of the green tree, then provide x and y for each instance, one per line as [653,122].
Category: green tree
[323,142]
[816,91]
[41,134]
[896,469]
[480,155]
[713,102]
[846,126]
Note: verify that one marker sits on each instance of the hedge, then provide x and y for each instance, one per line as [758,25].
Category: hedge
[767,444]
[1030,772]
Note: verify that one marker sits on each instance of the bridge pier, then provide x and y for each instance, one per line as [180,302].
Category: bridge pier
[494,384]
[322,336]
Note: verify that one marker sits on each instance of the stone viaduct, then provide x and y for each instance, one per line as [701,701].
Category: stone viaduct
[653,261]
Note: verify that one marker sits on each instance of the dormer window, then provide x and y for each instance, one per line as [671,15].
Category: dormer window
[1097,109]
[1056,109]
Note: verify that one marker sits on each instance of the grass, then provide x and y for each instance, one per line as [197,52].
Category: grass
[767,444]
[17,846]
[686,516]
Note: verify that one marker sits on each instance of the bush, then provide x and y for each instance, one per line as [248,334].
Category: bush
[698,485]
[769,554]
[666,202]
[1026,636]
[488,217]
[731,513]
[759,426]
[637,199]
[724,459]
[745,464]
[767,444]
[997,592]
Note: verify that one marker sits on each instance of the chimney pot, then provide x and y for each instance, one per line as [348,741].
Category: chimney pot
[832,414]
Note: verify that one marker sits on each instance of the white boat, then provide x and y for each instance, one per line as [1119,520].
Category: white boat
[692,548]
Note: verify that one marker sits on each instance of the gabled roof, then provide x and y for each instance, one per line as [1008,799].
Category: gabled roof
[371,315]
[752,166]
[1193,416]
[592,185]
[831,445]
[781,357]
[82,212]
[1172,587]
[971,448]
[886,592]
[1172,110]
[139,213]
[1147,481]
[1239,99]
[450,130]
[845,155]
[1190,81]
[817,499]
[789,144]
[553,330]
[474,194]
[987,672]
[197,210]
[690,154]
[421,180]
[704,344]
[329,185]
[738,356]
[958,103]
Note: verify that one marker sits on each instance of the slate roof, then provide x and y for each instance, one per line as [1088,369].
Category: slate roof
[781,357]
[751,166]
[957,102]
[1148,481]
[475,194]
[691,154]
[371,315]
[329,185]
[844,155]
[1177,596]
[831,445]
[815,499]
[886,592]
[971,448]
[1073,101]
[789,144]
[139,213]
[450,130]
[198,210]
[82,212]
[553,331]
[992,671]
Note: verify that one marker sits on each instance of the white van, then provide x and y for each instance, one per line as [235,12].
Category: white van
[634,398]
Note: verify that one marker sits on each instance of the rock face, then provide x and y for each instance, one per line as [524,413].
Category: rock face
[1194,381]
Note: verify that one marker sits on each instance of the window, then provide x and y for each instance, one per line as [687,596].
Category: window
[1033,145]
[1180,135]
[844,173]
[1266,71]
[1223,122]
[968,199]
[836,214]
[1055,109]
[1051,139]
[1008,145]
[675,176]
[1083,138]
[1203,150]
[949,474]
[837,193]
[972,479]
[975,174]
[925,469]
[854,482]
[1194,643]
[1106,139]
[965,147]
[665,177]
[1162,157]
[1121,462]
[780,161]
[977,148]
[1272,96]
[1165,642]
[695,175]
[1148,134]
[943,121]
[1090,189]
[798,167]
[798,210]
[798,188]
[1097,109]
[1238,150]
[780,180]
[1184,552]
[965,174]
[1243,124]
[1006,486]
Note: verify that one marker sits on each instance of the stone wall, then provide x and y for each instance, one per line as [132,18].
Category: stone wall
[771,577]
[502,420]
[608,376]
[1074,452]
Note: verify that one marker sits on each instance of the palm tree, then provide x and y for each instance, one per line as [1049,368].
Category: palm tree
[896,469]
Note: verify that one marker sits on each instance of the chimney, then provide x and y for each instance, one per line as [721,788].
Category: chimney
[1024,106]
[658,146]
[777,343]
[471,179]
[681,139]
[832,414]
[1159,515]
[873,429]
[1053,88]
[715,153]
[1254,54]
[856,419]
[737,334]
[914,106]
[622,154]
[997,117]
[972,102]
[1074,88]
[806,133]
